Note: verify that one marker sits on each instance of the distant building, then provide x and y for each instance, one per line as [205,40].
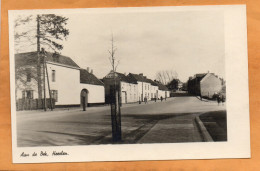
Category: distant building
[68,83]
[134,87]
[180,85]
[128,87]
[163,91]
[174,85]
[205,85]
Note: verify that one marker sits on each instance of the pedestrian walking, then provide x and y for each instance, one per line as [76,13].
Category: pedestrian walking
[222,99]
[161,98]
[218,99]
[145,99]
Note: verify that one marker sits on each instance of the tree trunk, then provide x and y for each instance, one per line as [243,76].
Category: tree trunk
[115,114]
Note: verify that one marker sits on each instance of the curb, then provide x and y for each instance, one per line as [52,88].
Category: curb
[205,134]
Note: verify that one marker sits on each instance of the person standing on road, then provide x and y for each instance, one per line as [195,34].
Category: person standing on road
[161,98]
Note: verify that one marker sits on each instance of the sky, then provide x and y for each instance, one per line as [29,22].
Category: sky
[187,42]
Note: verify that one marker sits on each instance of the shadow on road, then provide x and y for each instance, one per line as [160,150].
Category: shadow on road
[216,124]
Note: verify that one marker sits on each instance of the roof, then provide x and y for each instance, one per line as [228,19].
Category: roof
[152,82]
[89,78]
[161,86]
[30,58]
[200,76]
[121,77]
[138,77]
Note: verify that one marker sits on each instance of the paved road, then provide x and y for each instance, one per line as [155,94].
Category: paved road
[160,122]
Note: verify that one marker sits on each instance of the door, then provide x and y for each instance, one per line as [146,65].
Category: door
[123,97]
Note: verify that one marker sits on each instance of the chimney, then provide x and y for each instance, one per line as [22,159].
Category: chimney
[88,69]
[55,57]
[91,71]
[141,74]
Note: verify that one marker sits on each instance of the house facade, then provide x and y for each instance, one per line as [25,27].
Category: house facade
[64,81]
[154,90]
[144,86]
[205,85]
[128,87]
[210,85]
[163,91]
[134,87]
[149,88]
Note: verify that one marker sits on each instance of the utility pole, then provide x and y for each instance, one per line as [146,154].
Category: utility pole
[48,82]
[43,54]
[39,60]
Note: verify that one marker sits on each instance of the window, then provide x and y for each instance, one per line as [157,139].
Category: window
[28,94]
[53,75]
[23,95]
[54,95]
[29,76]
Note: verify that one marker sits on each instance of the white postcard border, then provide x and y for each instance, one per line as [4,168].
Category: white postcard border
[238,144]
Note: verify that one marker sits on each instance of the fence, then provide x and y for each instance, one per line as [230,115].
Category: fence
[33,104]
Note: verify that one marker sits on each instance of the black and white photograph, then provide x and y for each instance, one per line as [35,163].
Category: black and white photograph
[100,84]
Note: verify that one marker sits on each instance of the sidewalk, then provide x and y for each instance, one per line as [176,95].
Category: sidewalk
[175,129]
[92,109]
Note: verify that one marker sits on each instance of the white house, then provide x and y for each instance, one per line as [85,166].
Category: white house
[162,91]
[145,87]
[128,87]
[67,82]
[205,84]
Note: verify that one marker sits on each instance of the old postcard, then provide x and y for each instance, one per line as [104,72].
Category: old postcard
[122,84]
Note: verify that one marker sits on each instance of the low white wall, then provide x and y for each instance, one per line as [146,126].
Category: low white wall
[96,93]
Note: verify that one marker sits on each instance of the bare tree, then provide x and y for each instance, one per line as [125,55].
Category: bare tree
[166,76]
[115,95]
[112,58]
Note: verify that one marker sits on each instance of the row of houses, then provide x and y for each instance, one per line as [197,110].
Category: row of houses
[134,87]
[70,85]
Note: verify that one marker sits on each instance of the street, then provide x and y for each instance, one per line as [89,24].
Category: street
[168,121]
